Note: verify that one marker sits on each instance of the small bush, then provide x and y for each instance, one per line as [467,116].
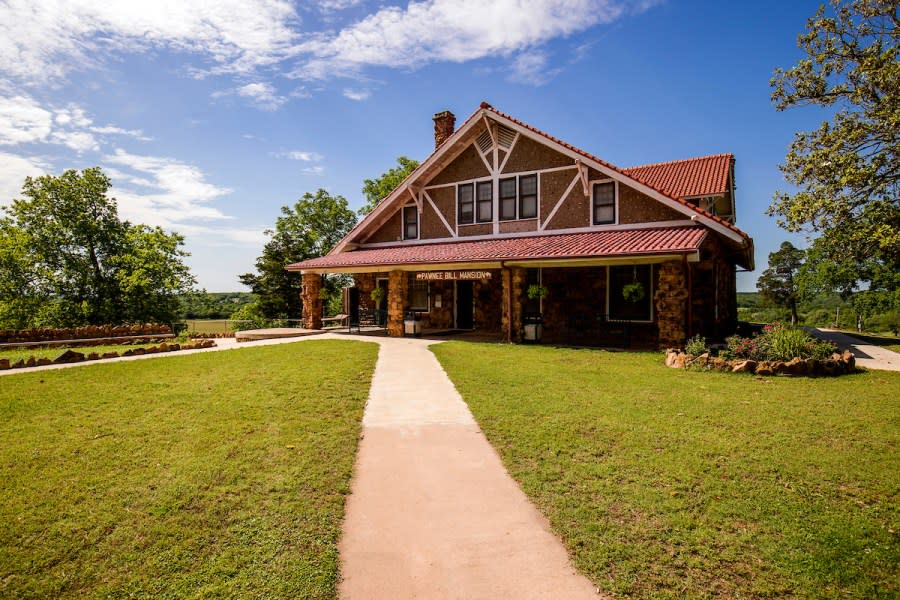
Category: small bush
[696,345]
[777,342]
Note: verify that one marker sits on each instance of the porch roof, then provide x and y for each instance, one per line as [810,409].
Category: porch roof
[640,243]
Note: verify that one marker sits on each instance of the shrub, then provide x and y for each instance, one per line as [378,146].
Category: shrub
[696,345]
[777,342]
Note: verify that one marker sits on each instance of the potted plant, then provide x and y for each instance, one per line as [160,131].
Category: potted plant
[633,292]
[377,295]
[533,322]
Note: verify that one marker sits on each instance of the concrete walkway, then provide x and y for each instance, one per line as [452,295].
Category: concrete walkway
[867,355]
[433,513]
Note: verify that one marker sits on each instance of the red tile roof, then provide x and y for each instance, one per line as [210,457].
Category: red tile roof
[702,176]
[592,244]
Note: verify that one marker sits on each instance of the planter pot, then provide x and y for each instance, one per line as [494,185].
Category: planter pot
[532,332]
[412,327]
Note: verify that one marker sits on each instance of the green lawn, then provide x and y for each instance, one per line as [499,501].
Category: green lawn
[220,474]
[24,353]
[669,483]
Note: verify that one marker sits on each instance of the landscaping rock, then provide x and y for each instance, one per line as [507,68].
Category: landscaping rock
[18,364]
[718,364]
[849,360]
[4,364]
[830,367]
[744,366]
[93,356]
[764,368]
[44,361]
[69,356]
[110,355]
[796,367]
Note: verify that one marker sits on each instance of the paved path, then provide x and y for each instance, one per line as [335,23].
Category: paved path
[433,514]
[867,355]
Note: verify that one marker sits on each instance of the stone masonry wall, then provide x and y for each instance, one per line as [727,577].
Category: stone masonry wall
[397,302]
[513,285]
[312,303]
[671,304]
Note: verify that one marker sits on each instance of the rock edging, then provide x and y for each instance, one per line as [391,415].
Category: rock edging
[838,364]
[71,356]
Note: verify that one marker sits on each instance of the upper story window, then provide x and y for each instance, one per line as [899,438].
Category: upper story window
[604,203]
[528,196]
[485,201]
[508,199]
[466,201]
[410,223]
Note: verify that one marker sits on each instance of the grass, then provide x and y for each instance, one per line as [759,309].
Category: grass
[668,483]
[210,475]
[24,353]
[208,326]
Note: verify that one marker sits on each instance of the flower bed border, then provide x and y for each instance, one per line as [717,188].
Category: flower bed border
[71,356]
[839,364]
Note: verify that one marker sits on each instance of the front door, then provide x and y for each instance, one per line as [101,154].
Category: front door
[464,305]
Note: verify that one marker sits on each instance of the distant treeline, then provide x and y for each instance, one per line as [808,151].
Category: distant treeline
[821,311]
[213,305]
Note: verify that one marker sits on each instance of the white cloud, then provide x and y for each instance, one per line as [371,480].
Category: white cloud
[43,40]
[531,68]
[451,30]
[24,121]
[179,192]
[331,5]
[299,155]
[357,95]
[13,171]
[263,94]
[314,170]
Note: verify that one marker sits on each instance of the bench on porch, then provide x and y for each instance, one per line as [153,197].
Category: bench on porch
[367,318]
[339,319]
[597,329]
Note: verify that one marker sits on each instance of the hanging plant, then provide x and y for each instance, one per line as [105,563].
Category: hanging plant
[633,292]
[536,291]
[377,295]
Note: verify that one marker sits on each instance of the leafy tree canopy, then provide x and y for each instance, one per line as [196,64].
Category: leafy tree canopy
[778,284]
[375,190]
[847,170]
[67,259]
[311,228]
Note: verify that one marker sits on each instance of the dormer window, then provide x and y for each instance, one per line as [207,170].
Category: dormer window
[604,195]
[410,223]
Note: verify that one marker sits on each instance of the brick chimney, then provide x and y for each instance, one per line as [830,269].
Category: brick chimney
[444,124]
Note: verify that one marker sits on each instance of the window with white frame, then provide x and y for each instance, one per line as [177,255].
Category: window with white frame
[604,202]
[527,196]
[418,294]
[465,194]
[410,223]
[508,199]
[484,201]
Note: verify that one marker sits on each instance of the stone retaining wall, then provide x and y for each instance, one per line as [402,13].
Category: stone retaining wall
[838,364]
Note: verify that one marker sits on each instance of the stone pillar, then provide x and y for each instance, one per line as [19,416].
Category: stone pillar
[671,304]
[312,303]
[396,302]
[513,289]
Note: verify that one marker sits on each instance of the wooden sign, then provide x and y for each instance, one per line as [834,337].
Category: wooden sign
[452,275]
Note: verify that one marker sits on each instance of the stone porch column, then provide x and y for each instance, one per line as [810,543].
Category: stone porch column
[396,302]
[312,303]
[671,304]
[513,285]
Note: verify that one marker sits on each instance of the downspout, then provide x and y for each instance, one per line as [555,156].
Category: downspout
[690,297]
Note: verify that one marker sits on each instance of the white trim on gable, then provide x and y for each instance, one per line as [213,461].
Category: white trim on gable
[543,225]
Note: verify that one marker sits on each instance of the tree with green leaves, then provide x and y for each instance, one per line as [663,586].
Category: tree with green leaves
[778,285]
[847,170]
[66,259]
[376,190]
[311,228]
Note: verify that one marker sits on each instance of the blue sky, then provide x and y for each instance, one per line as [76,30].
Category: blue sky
[208,121]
